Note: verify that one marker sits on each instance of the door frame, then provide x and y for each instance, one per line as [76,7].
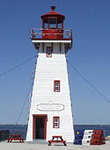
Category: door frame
[45,124]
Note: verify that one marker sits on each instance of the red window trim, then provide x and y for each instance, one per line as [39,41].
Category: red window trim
[56,117]
[56,81]
[47,53]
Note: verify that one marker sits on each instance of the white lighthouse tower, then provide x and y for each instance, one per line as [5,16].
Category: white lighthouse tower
[51,108]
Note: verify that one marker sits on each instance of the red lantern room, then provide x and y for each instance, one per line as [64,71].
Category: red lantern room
[52,24]
[52,31]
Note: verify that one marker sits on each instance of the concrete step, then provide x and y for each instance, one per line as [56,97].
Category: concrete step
[38,141]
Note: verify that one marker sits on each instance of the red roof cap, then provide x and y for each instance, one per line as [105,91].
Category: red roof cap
[53,13]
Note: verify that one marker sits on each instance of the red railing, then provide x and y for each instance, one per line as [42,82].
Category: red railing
[49,33]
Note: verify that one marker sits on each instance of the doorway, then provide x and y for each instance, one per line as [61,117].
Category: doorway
[39,126]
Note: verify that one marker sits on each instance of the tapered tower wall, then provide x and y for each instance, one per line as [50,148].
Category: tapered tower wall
[45,101]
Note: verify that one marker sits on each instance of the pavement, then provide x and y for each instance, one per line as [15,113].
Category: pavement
[36,146]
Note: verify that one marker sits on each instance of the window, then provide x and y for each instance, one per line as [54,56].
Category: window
[56,122]
[59,25]
[45,23]
[49,52]
[56,86]
[60,22]
[52,23]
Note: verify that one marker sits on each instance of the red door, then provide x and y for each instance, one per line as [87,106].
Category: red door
[39,126]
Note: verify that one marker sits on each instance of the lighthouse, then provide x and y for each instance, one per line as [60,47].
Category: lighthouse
[51,107]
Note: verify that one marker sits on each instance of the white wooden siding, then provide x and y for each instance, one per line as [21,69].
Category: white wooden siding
[48,70]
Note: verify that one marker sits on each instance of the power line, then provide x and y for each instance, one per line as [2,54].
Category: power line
[26,98]
[17,66]
[89,83]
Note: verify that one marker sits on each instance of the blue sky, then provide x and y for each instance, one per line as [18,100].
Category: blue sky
[90,22]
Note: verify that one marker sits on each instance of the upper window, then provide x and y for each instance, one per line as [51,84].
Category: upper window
[60,22]
[56,122]
[52,23]
[45,23]
[56,86]
[49,51]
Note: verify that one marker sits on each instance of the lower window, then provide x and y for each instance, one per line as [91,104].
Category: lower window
[56,122]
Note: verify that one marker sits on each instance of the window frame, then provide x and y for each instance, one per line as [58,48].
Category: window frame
[56,81]
[58,118]
[47,55]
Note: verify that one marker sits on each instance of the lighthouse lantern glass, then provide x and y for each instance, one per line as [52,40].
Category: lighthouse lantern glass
[60,24]
[52,23]
[46,23]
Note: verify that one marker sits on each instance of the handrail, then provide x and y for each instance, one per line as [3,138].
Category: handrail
[39,32]
[49,29]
